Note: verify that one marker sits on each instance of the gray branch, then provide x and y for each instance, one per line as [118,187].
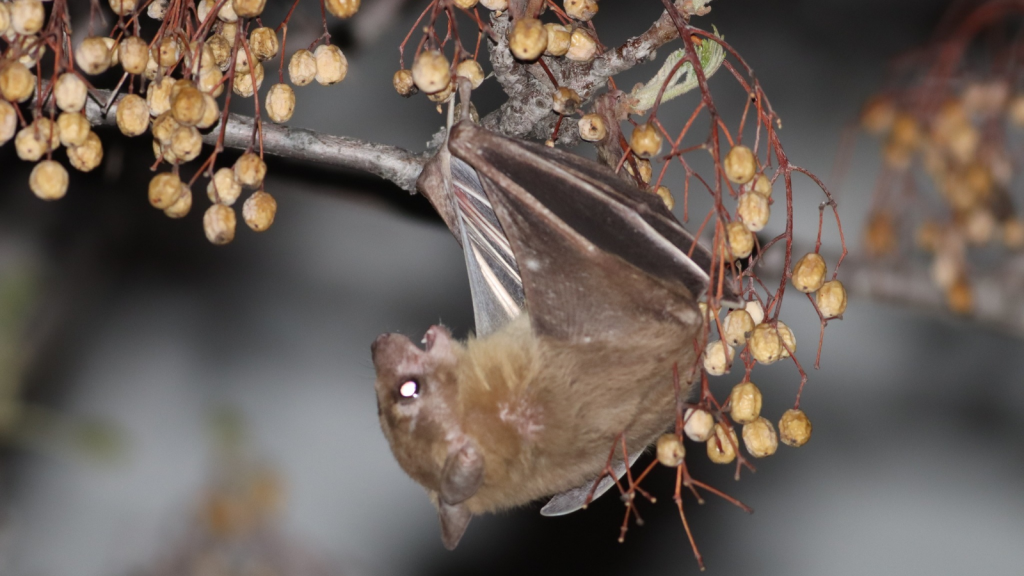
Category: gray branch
[394,164]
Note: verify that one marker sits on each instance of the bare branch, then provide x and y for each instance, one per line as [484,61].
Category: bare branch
[394,164]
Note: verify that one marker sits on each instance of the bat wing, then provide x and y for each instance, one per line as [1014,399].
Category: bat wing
[593,251]
[572,500]
[454,189]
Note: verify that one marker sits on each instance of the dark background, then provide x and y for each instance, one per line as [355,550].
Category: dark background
[918,452]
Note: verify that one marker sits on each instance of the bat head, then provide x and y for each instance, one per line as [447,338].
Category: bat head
[416,395]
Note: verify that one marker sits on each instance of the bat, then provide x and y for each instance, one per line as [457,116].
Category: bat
[584,291]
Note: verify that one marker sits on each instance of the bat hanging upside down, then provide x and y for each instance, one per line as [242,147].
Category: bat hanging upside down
[584,290]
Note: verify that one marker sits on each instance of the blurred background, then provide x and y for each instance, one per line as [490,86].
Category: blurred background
[182,407]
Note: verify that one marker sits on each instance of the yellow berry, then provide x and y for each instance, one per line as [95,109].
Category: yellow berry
[93,55]
[36,139]
[224,188]
[167,51]
[259,210]
[443,95]
[698,424]
[559,39]
[980,227]
[123,7]
[666,196]
[593,128]
[133,54]
[582,10]
[722,446]
[787,338]
[740,165]
[5,19]
[229,30]
[132,115]
[164,127]
[717,358]
[736,326]
[49,180]
[960,296]
[470,70]
[17,83]
[745,402]
[878,115]
[219,224]
[670,450]
[156,10]
[582,46]
[645,141]
[181,207]
[756,311]
[280,102]
[27,16]
[263,43]
[209,81]
[765,344]
[331,64]
[831,299]
[88,155]
[248,8]
[403,83]
[1013,231]
[250,169]
[70,92]
[763,186]
[741,240]
[220,47]
[754,211]
[164,190]
[9,122]
[565,101]
[528,39]
[302,67]
[495,4]
[466,4]
[245,85]
[186,143]
[188,106]
[809,272]
[342,8]
[211,113]
[643,167]
[794,428]
[158,95]
[431,72]
[759,438]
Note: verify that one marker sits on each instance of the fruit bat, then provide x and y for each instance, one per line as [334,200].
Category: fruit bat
[584,290]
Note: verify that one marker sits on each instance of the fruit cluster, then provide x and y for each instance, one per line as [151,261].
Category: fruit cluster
[176,85]
[946,125]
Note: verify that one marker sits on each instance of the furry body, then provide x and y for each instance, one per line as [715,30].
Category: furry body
[542,413]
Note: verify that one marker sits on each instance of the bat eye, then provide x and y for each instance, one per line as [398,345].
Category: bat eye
[409,389]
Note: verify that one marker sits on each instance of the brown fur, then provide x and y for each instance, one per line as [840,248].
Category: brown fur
[542,413]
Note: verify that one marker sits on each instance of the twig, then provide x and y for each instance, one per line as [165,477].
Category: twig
[394,164]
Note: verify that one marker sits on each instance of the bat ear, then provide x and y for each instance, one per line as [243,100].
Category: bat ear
[454,520]
[438,342]
[462,475]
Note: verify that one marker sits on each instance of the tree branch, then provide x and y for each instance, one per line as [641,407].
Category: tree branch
[394,164]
